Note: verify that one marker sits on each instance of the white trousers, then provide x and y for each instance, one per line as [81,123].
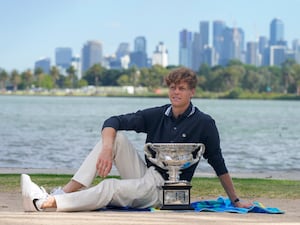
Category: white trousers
[139,186]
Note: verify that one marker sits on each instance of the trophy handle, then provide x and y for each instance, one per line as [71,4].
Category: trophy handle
[149,154]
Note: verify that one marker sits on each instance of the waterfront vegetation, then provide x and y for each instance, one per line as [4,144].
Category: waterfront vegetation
[234,81]
[207,187]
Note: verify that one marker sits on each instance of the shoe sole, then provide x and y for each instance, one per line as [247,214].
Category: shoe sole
[28,205]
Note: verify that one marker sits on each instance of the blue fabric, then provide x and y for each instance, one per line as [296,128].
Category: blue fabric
[224,205]
[219,205]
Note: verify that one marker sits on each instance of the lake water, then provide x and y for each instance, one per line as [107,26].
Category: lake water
[58,132]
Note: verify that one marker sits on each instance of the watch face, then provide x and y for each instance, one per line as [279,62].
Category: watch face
[176,197]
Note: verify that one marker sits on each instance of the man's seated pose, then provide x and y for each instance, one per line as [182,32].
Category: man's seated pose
[141,180]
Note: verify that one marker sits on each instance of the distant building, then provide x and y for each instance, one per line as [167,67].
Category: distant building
[252,55]
[277,55]
[63,57]
[218,38]
[185,48]
[232,47]
[139,57]
[92,54]
[160,55]
[76,63]
[276,32]
[209,56]
[296,49]
[204,34]
[123,49]
[197,52]
[44,64]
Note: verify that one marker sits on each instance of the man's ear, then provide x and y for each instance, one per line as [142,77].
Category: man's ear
[193,91]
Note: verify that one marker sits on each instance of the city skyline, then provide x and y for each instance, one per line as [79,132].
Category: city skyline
[33,29]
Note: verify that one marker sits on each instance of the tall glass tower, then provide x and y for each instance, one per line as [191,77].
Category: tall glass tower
[91,54]
[276,32]
[204,33]
[218,38]
[63,57]
[139,57]
[185,48]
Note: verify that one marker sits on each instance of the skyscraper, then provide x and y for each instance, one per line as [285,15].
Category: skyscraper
[232,47]
[63,57]
[196,52]
[204,34]
[218,38]
[44,64]
[122,50]
[91,54]
[252,57]
[185,48]
[276,32]
[139,56]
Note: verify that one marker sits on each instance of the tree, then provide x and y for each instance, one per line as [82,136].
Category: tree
[296,74]
[27,78]
[15,79]
[93,75]
[54,73]
[38,73]
[287,73]
[153,77]
[123,80]
[3,79]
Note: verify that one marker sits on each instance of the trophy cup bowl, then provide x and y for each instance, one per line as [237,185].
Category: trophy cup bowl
[175,157]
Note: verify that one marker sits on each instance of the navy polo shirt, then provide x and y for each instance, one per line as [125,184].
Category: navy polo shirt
[193,126]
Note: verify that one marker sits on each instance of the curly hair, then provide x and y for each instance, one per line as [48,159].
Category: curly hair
[182,74]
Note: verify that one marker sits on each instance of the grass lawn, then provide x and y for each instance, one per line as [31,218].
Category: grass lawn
[246,188]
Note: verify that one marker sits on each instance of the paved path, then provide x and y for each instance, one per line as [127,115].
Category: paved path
[11,213]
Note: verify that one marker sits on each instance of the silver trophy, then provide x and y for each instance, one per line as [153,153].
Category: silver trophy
[174,157]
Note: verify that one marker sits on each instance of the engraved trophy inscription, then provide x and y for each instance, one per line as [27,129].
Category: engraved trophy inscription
[174,157]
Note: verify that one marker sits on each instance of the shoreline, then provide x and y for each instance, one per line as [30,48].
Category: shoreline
[294,175]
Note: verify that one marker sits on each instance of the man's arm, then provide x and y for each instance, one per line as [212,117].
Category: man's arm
[105,159]
[228,186]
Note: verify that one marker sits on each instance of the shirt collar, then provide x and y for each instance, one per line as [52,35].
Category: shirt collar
[188,112]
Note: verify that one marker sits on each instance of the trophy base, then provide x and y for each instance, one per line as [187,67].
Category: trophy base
[177,207]
[176,196]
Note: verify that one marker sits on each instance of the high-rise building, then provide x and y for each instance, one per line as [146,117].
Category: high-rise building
[232,47]
[91,54]
[277,55]
[209,56]
[44,64]
[276,32]
[262,44]
[185,48]
[296,49]
[199,43]
[252,56]
[160,55]
[123,49]
[139,56]
[204,34]
[63,57]
[76,63]
[218,38]
[197,52]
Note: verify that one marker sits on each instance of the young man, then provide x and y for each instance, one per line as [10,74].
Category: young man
[141,181]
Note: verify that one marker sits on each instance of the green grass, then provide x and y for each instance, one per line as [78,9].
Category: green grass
[246,188]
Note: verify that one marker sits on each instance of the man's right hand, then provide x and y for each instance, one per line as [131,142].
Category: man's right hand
[104,162]
[105,159]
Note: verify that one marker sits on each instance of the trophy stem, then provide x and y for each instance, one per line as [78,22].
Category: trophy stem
[174,174]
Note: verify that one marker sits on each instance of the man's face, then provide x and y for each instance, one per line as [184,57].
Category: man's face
[180,94]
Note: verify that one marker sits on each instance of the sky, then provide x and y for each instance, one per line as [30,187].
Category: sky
[32,29]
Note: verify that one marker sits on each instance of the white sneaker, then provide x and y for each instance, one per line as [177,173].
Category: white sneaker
[33,195]
[57,191]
